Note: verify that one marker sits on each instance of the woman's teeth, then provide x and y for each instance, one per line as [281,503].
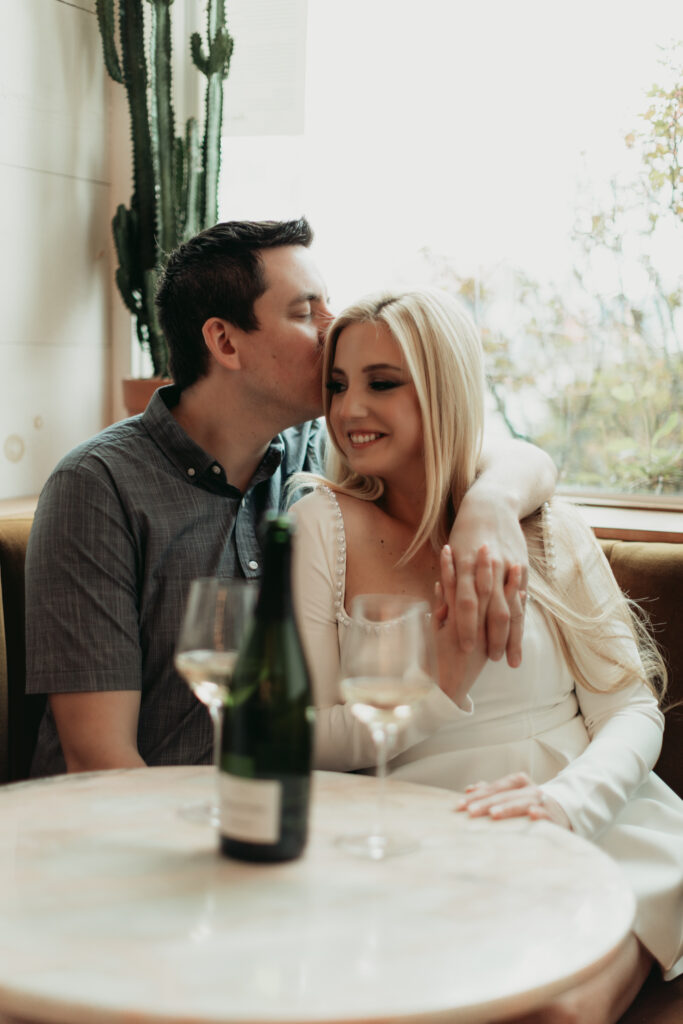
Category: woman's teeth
[363,438]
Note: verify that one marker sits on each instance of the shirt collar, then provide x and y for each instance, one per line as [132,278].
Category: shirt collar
[188,457]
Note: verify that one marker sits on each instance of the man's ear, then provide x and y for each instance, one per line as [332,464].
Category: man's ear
[220,337]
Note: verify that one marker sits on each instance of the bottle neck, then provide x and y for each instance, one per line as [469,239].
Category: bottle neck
[275,598]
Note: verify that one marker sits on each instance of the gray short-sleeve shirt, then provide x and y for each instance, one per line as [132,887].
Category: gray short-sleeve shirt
[123,524]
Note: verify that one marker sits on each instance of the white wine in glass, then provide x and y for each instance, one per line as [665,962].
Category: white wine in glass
[388,666]
[207,673]
[215,618]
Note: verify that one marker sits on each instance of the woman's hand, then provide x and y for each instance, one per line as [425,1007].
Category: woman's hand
[513,796]
[458,667]
[459,662]
[497,596]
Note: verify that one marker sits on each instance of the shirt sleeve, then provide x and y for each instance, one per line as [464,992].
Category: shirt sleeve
[625,725]
[82,566]
[342,742]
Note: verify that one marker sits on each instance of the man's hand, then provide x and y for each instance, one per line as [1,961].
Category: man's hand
[513,796]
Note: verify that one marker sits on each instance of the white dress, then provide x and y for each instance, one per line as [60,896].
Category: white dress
[592,752]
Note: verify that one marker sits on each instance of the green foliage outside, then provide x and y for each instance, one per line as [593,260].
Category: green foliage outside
[593,371]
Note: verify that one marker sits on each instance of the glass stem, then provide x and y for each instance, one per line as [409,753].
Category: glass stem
[216,712]
[383,736]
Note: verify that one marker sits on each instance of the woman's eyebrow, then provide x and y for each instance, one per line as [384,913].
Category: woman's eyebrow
[382,366]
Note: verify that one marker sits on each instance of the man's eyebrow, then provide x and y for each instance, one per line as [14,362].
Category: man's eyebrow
[306,297]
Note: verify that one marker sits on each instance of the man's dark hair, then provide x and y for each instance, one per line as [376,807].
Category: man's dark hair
[218,273]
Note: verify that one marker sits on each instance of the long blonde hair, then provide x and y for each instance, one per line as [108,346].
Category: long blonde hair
[443,354]
[598,629]
[601,633]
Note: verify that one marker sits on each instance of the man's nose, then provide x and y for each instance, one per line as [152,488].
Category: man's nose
[325,318]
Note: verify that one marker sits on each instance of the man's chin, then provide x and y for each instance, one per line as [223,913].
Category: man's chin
[305,413]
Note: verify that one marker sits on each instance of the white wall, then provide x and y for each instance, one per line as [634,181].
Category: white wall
[55,248]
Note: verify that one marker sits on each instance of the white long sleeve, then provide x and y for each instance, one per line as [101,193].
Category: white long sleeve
[625,726]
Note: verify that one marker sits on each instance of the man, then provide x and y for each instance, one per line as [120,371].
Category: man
[129,518]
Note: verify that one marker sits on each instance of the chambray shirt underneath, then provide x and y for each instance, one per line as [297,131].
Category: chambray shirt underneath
[124,523]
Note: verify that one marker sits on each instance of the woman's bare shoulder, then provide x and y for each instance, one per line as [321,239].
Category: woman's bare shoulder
[359,514]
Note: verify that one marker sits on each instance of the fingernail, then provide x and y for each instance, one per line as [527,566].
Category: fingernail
[495,811]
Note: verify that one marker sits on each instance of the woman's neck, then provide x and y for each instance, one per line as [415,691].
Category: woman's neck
[404,504]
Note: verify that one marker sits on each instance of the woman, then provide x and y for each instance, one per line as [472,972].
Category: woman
[572,735]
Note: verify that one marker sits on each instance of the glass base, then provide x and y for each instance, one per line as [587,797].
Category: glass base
[201,814]
[376,847]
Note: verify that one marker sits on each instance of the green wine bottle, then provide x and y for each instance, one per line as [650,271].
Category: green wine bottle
[267,734]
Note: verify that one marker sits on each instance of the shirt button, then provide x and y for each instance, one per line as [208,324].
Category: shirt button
[216,469]
[191,471]
[252,564]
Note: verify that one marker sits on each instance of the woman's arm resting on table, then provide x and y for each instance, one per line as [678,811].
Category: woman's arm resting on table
[515,479]
[591,790]
[513,796]
[98,730]
[623,722]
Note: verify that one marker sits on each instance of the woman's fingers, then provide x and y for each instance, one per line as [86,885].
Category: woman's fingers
[440,609]
[467,594]
[511,797]
[517,780]
[515,597]
[483,574]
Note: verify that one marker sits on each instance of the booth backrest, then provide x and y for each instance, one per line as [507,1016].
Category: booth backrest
[651,573]
[19,714]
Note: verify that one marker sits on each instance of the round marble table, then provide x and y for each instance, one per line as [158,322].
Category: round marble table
[114,909]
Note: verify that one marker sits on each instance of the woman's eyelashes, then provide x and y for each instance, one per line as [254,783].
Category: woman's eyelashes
[335,387]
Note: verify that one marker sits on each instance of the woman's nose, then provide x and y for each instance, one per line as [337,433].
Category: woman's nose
[353,405]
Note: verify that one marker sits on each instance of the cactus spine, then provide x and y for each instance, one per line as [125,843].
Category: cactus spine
[175,179]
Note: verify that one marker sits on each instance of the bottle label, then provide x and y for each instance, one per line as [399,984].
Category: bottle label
[250,808]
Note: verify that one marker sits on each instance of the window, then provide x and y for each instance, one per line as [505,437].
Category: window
[517,154]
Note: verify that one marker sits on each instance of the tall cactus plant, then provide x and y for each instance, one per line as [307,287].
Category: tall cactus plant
[175,178]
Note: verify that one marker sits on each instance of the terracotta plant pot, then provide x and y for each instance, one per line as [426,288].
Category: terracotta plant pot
[137,392]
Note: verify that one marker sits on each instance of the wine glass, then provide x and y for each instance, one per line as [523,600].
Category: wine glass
[214,621]
[389,664]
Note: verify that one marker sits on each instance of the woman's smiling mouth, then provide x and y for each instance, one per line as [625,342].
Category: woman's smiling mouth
[359,440]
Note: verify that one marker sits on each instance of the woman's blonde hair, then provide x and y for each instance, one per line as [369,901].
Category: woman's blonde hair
[600,632]
[443,355]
